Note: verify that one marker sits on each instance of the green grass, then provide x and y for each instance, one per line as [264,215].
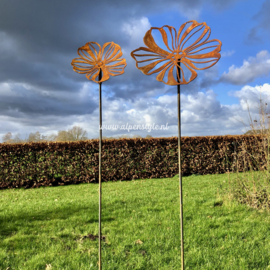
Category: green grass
[140,220]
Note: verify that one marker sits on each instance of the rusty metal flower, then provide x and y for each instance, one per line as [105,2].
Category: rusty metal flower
[92,62]
[188,56]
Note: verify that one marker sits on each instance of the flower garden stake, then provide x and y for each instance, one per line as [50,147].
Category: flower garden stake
[169,63]
[99,64]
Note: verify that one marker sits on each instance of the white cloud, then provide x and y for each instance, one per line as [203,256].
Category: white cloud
[201,115]
[253,68]
[147,118]
[251,95]
[227,53]
[136,30]
[131,112]
[249,101]
[5,89]
[191,13]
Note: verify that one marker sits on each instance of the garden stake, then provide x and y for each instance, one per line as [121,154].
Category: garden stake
[99,167]
[99,64]
[175,55]
[179,161]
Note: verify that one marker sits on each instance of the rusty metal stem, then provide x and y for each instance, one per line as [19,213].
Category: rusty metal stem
[180,175]
[99,175]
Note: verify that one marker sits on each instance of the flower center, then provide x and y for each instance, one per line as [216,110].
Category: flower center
[176,56]
[100,64]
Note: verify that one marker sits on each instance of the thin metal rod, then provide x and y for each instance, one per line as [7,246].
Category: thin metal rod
[180,175]
[100,146]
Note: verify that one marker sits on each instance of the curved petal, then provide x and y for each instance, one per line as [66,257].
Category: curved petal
[151,44]
[164,37]
[90,61]
[193,73]
[201,28]
[104,76]
[118,68]
[161,75]
[153,56]
[113,53]
[90,50]
[188,56]
[171,79]
[95,73]
[179,33]
[211,57]
[81,65]
[92,73]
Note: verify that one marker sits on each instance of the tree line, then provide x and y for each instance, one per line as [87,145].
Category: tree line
[74,134]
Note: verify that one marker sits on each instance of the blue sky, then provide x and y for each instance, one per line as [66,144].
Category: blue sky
[232,29]
[39,91]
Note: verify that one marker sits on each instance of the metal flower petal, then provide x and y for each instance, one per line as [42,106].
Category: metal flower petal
[91,62]
[190,56]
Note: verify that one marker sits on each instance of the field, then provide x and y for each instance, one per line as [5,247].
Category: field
[54,227]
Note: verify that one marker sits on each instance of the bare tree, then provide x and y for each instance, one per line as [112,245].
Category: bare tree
[7,138]
[77,134]
[17,139]
[256,131]
[37,137]
[31,137]
[62,136]
[34,137]
[137,136]
[43,138]
[124,136]
[51,138]
[74,134]
[148,136]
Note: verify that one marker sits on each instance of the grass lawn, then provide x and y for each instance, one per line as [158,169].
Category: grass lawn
[140,222]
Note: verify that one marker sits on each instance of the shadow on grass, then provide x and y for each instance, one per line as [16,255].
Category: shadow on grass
[25,220]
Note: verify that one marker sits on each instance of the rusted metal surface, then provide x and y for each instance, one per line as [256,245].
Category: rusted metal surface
[91,61]
[179,162]
[99,64]
[171,60]
[176,52]
[100,168]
